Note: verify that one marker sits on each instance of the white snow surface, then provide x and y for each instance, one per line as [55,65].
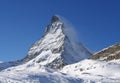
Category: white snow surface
[34,73]
[86,71]
[98,71]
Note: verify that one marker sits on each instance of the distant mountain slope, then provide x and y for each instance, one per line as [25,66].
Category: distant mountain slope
[107,54]
[5,65]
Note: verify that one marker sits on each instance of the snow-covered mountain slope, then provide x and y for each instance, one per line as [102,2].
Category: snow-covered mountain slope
[107,54]
[95,71]
[86,71]
[35,73]
[5,65]
[56,48]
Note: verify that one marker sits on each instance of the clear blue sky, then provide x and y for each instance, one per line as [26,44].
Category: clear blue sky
[22,22]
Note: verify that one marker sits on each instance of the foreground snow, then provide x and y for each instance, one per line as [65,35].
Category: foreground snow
[35,73]
[95,71]
[86,71]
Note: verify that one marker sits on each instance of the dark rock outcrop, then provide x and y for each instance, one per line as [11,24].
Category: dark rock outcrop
[110,53]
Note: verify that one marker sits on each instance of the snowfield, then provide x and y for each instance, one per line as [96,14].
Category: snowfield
[98,71]
[35,73]
[86,71]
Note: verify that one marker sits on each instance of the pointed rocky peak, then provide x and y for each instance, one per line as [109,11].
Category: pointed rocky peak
[55,48]
[55,25]
[55,18]
[107,54]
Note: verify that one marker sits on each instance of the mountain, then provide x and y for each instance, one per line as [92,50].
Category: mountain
[57,58]
[56,48]
[107,54]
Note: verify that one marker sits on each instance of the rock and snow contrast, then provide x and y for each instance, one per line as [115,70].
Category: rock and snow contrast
[56,58]
[56,49]
[107,54]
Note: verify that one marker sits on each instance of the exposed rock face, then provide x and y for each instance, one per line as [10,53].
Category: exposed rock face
[54,19]
[110,53]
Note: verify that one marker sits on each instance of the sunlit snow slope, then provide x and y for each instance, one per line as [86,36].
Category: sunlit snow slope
[95,71]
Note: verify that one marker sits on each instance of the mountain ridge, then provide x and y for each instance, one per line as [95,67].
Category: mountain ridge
[56,44]
[110,53]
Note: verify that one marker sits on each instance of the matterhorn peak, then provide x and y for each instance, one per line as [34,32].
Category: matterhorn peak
[55,25]
[55,18]
[55,49]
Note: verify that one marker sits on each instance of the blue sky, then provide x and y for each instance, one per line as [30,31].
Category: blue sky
[22,22]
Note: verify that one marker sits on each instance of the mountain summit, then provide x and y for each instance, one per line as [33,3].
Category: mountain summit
[55,18]
[55,49]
